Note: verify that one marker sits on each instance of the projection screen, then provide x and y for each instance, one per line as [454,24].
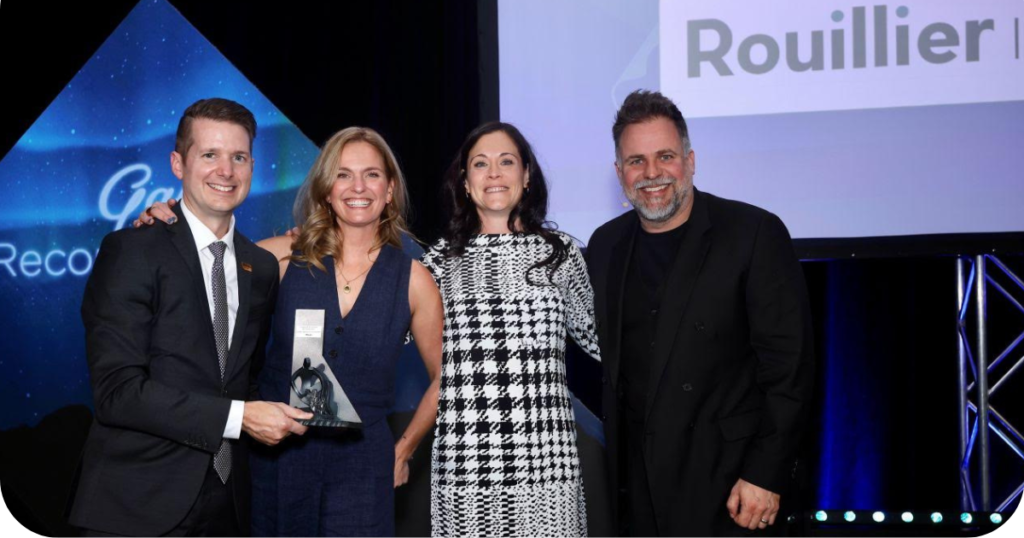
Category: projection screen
[847,119]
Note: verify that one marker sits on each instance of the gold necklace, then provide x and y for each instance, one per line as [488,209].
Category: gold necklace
[348,289]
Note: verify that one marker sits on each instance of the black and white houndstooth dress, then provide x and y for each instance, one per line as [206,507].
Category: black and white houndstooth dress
[504,461]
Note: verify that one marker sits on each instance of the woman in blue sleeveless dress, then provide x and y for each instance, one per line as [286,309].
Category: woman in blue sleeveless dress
[347,261]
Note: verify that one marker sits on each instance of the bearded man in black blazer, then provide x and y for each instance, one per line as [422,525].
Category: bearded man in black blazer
[706,341]
[176,321]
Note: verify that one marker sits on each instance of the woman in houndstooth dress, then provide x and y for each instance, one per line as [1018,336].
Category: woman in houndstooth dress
[504,461]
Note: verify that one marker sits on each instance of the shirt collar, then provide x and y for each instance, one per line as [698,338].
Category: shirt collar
[202,235]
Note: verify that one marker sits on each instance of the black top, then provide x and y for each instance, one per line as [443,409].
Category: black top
[734,293]
[653,254]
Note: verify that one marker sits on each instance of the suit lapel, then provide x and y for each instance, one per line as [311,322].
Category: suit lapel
[243,256]
[621,254]
[681,279]
[181,236]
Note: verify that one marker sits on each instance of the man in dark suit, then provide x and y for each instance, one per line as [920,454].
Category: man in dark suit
[176,321]
[706,341]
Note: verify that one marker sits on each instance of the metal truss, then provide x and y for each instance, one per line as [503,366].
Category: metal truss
[977,415]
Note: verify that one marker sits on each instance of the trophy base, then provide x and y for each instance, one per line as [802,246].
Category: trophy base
[330,422]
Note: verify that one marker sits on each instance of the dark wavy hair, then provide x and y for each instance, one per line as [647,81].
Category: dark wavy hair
[643,106]
[531,211]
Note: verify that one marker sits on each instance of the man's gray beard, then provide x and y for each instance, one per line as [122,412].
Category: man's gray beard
[651,214]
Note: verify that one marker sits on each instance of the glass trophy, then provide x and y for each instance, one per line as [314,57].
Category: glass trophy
[314,388]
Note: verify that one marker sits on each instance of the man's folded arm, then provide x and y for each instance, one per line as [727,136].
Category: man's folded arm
[118,313]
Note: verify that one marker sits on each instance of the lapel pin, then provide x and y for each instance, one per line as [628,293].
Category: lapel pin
[246,267]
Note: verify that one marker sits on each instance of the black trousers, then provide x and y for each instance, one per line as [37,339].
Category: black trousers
[212,514]
[636,508]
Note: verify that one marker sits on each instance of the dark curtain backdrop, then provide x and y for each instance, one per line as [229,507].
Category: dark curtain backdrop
[883,433]
[884,430]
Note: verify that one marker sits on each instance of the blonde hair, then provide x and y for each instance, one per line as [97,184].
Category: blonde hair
[320,235]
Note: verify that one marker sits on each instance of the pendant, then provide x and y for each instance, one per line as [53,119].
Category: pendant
[346,289]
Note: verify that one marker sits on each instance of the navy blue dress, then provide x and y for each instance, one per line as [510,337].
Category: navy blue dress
[325,483]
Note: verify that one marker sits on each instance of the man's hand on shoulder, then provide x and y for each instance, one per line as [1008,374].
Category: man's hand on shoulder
[270,422]
[752,507]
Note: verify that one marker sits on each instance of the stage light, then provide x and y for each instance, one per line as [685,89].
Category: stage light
[908,517]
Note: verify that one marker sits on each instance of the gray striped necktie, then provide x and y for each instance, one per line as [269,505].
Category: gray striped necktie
[222,459]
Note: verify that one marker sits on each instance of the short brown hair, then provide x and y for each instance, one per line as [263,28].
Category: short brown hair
[216,109]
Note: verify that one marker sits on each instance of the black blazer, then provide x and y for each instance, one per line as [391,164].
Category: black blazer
[732,369]
[160,404]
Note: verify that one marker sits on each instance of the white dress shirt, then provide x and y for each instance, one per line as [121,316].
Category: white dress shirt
[204,237]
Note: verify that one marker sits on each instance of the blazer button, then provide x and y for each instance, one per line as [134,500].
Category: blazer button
[699,326]
[652,345]
[604,418]
[333,353]
[691,426]
[687,387]
[339,329]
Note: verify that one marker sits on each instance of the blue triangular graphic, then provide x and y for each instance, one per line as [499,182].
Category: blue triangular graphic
[88,165]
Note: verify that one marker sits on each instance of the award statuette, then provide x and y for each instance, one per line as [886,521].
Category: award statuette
[313,386]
